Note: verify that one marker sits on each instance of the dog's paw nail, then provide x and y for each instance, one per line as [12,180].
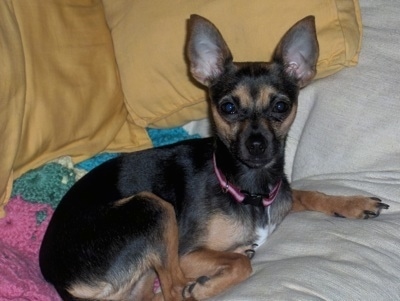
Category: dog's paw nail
[369,214]
[380,205]
[250,253]
[191,287]
[187,290]
[203,279]
[383,206]
[339,215]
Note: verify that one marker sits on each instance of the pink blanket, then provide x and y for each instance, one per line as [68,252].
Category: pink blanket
[21,234]
[22,230]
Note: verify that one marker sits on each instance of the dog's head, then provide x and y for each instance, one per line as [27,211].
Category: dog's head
[253,104]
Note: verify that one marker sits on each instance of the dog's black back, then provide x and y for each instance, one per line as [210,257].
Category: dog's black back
[182,174]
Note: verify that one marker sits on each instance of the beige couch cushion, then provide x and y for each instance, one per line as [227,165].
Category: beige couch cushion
[149,39]
[59,90]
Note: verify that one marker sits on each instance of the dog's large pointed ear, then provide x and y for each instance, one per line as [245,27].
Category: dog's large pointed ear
[206,49]
[298,51]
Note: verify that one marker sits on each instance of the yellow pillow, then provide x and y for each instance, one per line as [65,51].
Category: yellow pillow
[149,38]
[60,92]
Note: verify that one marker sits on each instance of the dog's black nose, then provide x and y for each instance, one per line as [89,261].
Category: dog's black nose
[256,145]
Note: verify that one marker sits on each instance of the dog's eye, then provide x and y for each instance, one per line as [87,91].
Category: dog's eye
[228,108]
[281,107]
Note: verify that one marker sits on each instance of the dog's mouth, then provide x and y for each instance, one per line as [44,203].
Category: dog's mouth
[256,162]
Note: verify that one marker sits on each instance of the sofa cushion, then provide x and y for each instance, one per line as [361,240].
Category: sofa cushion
[149,39]
[59,91]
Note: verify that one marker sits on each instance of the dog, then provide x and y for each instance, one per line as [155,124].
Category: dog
[182,222]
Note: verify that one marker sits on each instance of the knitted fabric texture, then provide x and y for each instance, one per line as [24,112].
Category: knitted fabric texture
[35,196]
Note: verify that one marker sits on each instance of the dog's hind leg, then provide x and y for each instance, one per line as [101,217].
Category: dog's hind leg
[138,236]
[340,206]
[214,272]
[171,278]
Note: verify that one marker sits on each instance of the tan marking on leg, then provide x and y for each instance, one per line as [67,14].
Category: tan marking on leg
[122,202]
[218,271]
[346,206]
[172,279]
[100,290]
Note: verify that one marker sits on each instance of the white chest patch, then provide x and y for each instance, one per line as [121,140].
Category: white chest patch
[263,233]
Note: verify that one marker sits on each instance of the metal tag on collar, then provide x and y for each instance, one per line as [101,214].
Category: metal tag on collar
[253,199]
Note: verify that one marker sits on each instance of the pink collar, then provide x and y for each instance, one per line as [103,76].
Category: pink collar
[243,196]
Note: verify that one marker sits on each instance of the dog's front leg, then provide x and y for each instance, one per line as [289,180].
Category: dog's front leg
[341,206]
[215,272]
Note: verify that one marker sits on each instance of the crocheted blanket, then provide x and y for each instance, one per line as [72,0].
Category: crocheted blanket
[35,196]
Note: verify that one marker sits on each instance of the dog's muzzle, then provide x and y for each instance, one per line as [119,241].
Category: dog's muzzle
[256,145]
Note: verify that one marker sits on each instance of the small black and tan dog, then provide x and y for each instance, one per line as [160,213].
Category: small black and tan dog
[181,222]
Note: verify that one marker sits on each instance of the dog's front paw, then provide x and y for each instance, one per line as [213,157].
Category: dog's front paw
[188,290]
[359,207]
